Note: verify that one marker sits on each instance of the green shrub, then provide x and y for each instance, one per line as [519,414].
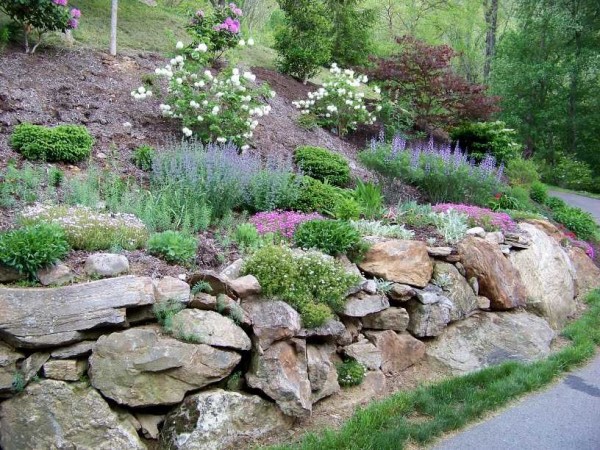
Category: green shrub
[86,229]
[347,209]
[555,203]
[522,172]
[142,157]
[304,43]
[302,280]
[538,192]
[173,246]
[323,165]
[480,138]
[333,237]
[33,247]
[578,221]
[568,173]
[350,373]
[369,197]
[55,176]
[65,143]
[317,196]
[246,236]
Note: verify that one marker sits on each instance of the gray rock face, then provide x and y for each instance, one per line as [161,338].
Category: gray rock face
[141,367]
[365,353]
[8,275]
[41,317]
[389,319]
[491,338]
[106,265]
[211,328]
[272,320]
[65,369]
[401,292]
[362,304]
[8,368]
[32,365]
[149,424]
[57,275]
[171,288]
[233,270]
[439,251]
[457,289]
[73,351]
[332,328]
[321,371]
[217,419]
[548,276]
[281,373]
[55,414]
[429,319]
[398,351]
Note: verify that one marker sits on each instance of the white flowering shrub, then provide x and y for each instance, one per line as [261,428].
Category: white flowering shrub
[224,106]
[340,102]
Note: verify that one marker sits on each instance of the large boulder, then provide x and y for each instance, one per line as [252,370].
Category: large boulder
[272,320]
[498,279]
[211,328]
[548,276]
[142,367]
[217,419]
[55,414]
[398,351]
[362,304]
[8,368]
[400,261]
[389,319]
[588,273]
[457,289]
[491,338]
[42,317]
[281,373]
[322,373]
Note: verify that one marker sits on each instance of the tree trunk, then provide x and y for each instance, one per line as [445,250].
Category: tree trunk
[491,20]
[113,27]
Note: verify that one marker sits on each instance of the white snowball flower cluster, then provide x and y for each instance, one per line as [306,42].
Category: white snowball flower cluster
[141,93]
[242,42]
[222,107]
[340,102]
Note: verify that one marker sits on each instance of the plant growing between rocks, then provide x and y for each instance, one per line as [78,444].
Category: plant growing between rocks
[350,373]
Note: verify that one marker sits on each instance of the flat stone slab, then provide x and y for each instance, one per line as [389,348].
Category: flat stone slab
[42,317]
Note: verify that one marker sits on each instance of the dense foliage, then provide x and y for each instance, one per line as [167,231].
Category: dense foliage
[333,237]
[481,138]
[323,165]
[173,246]
[64,143]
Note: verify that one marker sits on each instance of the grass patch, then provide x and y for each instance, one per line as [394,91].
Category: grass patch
[422,415]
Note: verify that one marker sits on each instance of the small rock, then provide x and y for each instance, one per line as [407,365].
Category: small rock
[352,327]
[8,275]
[398,351]
[332,328]
[461,269]
[106,265]
[428,320]
[32,365]
[389,319]
[170,288]
[149,424]
[321,371]
[245,286]
[474,285]
[100,155]
[401,292]
[494,237]
[370,287]
[361,304]
[476,231]
[439,251]
[217,282]
[272,321]
[8,368]
[483,302]
[65,369]
[233,270]
[74,351]
[365,353]
[57,275]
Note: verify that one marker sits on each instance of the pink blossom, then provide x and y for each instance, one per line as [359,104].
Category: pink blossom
[72,24]
[235,10]
[75,13]
[60,2]
[231,25]
[480,216]
[283,223]
[200,13]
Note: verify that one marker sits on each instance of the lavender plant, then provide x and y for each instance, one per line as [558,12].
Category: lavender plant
[445,174]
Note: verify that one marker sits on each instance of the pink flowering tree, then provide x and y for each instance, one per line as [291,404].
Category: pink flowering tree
[218,30]
[38,17]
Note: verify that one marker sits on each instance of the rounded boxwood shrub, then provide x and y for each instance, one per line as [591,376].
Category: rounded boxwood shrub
[64,143]
[323,165]
[33,247]
[333,237]
[317,196]
[173,246]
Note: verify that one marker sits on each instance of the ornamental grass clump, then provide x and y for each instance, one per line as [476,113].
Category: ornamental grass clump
[312,283]
[281,223]
[86,229]
[480,217]
[340,103]
[443,173]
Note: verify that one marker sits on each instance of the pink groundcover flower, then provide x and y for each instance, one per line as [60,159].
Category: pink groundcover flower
[75,13]
[281,222]
[480,216]
[60,2]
